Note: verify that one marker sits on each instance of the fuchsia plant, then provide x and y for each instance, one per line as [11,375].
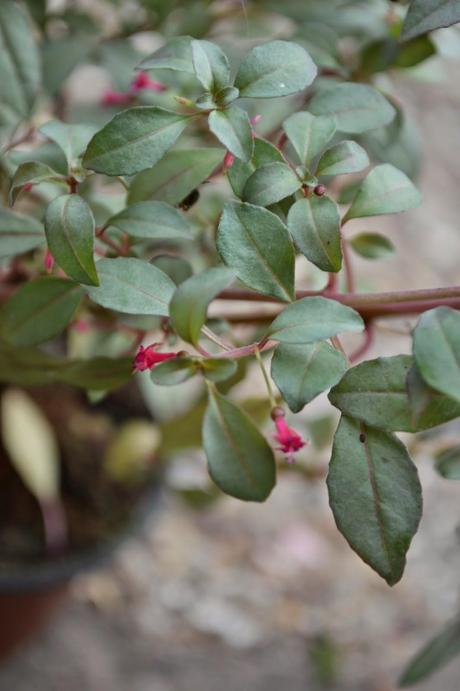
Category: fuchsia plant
[271,256]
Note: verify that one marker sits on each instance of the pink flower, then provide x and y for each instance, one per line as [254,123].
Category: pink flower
[48,261]
[146,358]
[143,81]
[289,440]
[116,98]
[228,160]
[27,187]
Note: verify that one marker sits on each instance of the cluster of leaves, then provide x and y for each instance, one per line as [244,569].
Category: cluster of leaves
[141,264]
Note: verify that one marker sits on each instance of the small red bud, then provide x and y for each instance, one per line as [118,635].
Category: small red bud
[320,190]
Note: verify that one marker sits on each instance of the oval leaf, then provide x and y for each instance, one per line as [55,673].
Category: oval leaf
[211,66]
[345,157]
[240,172]
[174,371]
[375,496]
[301,372]
[232,127]
[132,286]
[19,234]
[175,55]
[314,223]
[427,15]
[240,460]
[372,246]
[39,310]
[277,68]
[385,190]
[437,653]
[72,139]
[356,107]
[375,392]
[69,227]
[271,183]
[190,302]
[256,244]
[313,319]
[151,220]
[309,134]
[436,345]
[134,140]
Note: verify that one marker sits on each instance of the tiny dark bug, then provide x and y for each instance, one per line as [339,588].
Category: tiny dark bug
[189,200]
[362,438]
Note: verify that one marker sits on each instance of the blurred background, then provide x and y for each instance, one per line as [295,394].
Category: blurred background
[214,593]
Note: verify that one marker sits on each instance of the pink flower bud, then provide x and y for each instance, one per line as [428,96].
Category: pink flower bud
[146,358]
[116,98]
[48,261]
[143,81]
[289,440]
[228,160]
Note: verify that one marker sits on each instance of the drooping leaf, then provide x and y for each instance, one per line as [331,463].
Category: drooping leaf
[375,392]
[153,221]
[19,234]
[132,286]
[427,15]
[436,346]
[240,460]
[277,68]
[71,138]
[434,655]
[233,129]
[345,157]
[372,245]
[174,371]
[31,444]
[309,134]
[39,310]
[134,140]
[32,173]
[211,66]
[191,299]
[385,190]
[314,223]
[356,107]
[270,183]
[375,496]
[20,64]
[240,172]
[69,227]
[175,55]
[177,174]
[302,372]
[255,243]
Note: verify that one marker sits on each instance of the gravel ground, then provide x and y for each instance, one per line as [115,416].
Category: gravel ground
[243,597]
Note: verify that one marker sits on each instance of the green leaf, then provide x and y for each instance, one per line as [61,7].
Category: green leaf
[436,346]
[31,444]
[345,157]
[233,129]
[175,55]
[174,371]
[271,183]
[69,227]
[375,496]
[437,653]
[97,374]
[302,372]
[314,224]
[132,286]
[177,174]
[277,68]
[177,268]
[153,221]
[385,190]
[419,394]
[372,246]
[375,392]
[240,172]
[313,319]
[448,463]
[134,140]
[427,15]
[32,173]
[356,107]
[39,310]
[20,64]
[72,139]
[211,66]
[218,369]
[414,52]
[256,244]
[191,299]
[309,134]
[19,234]
[240,460]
